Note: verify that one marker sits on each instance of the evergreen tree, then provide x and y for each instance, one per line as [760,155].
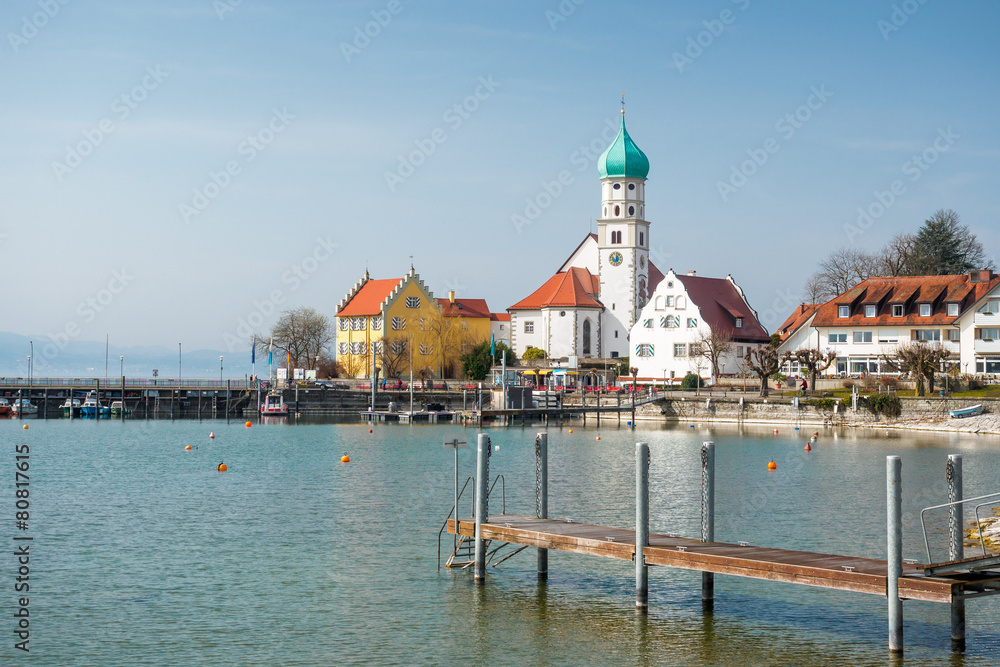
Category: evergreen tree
[944,246]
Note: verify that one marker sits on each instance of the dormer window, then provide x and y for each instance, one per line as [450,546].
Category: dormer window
[870,311]
[925,310]
[952,310]
[739,322]
[843,312]
[897,310]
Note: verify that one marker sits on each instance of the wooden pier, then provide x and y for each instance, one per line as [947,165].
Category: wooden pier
[952,582]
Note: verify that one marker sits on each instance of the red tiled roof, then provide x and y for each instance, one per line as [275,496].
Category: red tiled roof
[908,291]
[655,276]
[500,317]
[575,288]
[718,299]
[799,316]
[368,300]
[464,308]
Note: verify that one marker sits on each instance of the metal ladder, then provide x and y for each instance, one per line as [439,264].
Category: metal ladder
[463,552]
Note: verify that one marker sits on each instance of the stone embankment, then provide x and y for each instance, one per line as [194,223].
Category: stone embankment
[917,413]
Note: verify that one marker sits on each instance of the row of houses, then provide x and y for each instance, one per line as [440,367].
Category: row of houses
[608,301]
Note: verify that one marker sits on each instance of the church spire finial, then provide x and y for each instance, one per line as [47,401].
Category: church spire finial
[623,104]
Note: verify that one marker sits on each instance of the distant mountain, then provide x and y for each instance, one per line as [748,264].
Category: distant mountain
[85,358]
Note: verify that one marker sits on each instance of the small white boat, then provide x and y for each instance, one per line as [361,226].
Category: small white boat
[970,411]
[71,404]
[274,405]
[23,406]
[116,409]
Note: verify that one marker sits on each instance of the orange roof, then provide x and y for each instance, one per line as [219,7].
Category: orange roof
[908,291]
[575,288]
[798,317]
[369,299]
[464,308]
[500,317]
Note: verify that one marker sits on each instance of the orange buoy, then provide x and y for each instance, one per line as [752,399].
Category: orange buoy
[25,427]
[571,430]
[772,465]
[816,433]
[776,431]
[598,437]
[345,459]
[249,424]
[808,448]
[188,447]
[369,430]
[223,467]
[211,436]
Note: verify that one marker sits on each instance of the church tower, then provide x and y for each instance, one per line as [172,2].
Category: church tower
[623,240]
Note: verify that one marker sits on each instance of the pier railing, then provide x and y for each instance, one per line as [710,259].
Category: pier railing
[111,382]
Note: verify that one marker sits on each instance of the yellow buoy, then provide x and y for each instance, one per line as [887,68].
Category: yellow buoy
[772,465]
[223,467]
[345,459]
[188,447]
[249,424]
[25,427]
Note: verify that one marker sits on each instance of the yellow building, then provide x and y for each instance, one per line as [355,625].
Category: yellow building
[390,321]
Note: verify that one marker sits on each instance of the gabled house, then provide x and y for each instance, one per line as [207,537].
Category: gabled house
[667,339]
[866,323]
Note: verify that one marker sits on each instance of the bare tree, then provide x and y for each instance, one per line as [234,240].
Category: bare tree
[813,361]
[814,291]
[763,362]
[919,360]
[896,257]
[713,345]
[304,333]
[393,355]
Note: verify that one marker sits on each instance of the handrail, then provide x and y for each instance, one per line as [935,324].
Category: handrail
[454,509]
[503,490]
[979,524]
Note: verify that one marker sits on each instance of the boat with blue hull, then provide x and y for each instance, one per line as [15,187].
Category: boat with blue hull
[970,411]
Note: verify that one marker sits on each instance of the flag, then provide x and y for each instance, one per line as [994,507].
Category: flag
[270,352]
[492,345]
[253,351]
[288,364]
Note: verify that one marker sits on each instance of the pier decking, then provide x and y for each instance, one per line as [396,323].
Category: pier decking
[849,573]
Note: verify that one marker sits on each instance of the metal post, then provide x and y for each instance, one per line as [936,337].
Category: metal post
[229,393]
[957,547]
[482,506]
[542,498]
[708,518]
[123,399]
[894,556]
[97,401]
[641,524]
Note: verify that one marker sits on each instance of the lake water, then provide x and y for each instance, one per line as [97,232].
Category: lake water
[144,554]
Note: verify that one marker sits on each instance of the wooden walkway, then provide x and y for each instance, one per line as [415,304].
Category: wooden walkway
[861,575]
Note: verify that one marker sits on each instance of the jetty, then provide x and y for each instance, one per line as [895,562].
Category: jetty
[482,539]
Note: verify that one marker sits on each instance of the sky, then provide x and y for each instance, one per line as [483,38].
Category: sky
[183,172]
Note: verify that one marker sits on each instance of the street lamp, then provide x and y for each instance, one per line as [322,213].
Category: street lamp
[220,368]
[178,363]
[121,365]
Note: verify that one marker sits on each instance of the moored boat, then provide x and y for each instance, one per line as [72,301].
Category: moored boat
[23,406]
[274,405]
[4,407]
[970,411]
[91,407]
[116,409]
[71,404]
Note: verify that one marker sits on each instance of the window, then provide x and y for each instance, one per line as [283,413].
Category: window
[426,349]
[464,325]
[618,210]
[343,321]
[929,334]
[952,310]
[988,365]
[870,365]
[631,186]
[614,355]
[529,326]
[376,323]
[843,311]
[642,238]
[648,324]
[631,211]
[990,308]
[987,334]
[358,323]
[862,336]
[358,347]
[413,302]
[398,323]
[692,323]
[694,349]
[644,350]
[670,301]
[586,336]
[870,311]
[377,347]
[680,349]
[739,352]
[616,237]
[423,324]
[617,186]
[897,310]
[342,348]
[953,334]
[501,327]
[888,336]
[739,322]
[925,310]
[838,338]
[398,346]
[616,333]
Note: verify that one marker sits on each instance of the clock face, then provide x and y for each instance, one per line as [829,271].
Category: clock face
[616,258]
[642,262]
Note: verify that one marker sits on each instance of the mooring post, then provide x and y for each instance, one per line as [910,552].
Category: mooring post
[97,407]
[542,495]
[894,556]
[641,524]
[482,505]
[708,519]
[956,549]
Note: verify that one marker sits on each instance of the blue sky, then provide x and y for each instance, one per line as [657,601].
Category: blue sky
[171,170]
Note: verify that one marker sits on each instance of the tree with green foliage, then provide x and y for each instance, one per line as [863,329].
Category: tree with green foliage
[533,353]
[477,364]
[944,246]
[691,381]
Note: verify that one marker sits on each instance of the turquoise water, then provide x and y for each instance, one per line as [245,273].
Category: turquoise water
[144,554]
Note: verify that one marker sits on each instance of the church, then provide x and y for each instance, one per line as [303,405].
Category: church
[589,306]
